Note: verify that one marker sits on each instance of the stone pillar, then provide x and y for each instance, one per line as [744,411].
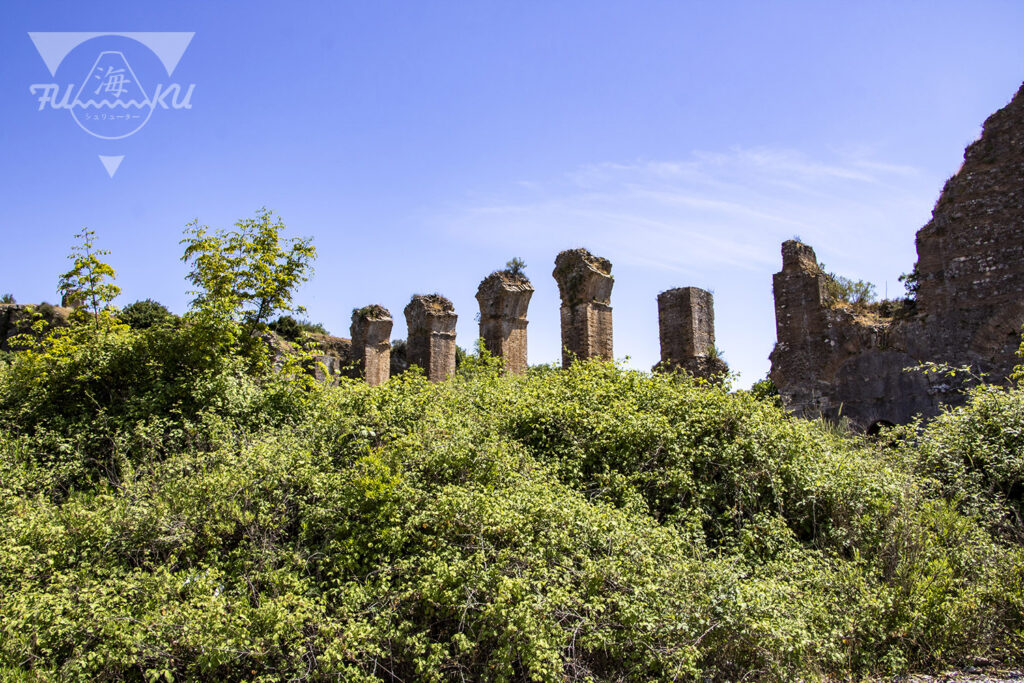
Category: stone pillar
[504,297]
[371,343]
[806,345]
[431,344]
[686,326]
[585,285]
[799,291]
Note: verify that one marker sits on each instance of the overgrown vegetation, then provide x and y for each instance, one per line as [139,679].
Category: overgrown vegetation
[173,509]
[291,329]
[841,289]
[862,297]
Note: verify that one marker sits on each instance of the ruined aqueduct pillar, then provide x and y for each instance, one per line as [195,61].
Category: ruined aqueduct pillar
[371,343]
[431,345]
[686,326]
[504,297]
[585,285]
[799,295]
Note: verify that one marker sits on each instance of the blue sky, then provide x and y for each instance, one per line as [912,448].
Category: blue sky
[422,145]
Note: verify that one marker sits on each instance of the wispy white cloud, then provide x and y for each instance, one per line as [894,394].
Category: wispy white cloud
[711,210]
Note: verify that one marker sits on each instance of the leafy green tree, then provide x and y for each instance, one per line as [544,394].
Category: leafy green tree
[141,315]
[248,274]
[90,280]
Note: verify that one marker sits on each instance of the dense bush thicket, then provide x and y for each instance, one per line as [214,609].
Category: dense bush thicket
[172,508]
[170,514]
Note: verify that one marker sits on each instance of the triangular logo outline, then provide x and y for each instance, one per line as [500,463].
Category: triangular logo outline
[54,46]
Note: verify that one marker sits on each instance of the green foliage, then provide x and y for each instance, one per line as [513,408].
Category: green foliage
[481,363]
[841,289]
[7,299]
[912,282]
[1018,371]
[247,274]
[765,390]
[515,267]
[144,314]
[974,455]
[292,330]
[90,280]
[582,523]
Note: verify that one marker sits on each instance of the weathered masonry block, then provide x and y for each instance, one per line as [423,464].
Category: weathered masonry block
[431,344]
[837,360]
[371,343]
[585,285]
[504,297]
[686,327]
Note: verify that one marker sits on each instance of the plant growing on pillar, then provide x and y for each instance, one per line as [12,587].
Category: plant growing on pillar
[515,267]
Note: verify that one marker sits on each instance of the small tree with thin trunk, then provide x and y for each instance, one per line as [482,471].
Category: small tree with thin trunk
[90,280]
[246,275]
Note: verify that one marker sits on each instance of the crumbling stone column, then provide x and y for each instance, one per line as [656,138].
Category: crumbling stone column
[504,297]
[686,327]
[431,344]
[585,285]
[371,343]
[799,291]
[802,327]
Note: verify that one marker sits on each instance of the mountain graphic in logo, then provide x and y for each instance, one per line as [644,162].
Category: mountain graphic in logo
[111,103]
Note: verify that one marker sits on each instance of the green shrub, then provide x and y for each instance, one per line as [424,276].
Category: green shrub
[146,313]
[590,522]
[292,330]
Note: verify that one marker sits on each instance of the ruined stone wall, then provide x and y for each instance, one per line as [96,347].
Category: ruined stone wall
[17,319]
[686,328]
[431,344]
[834,360]
[504,298]
[585,286]
[971,254]
[333,358]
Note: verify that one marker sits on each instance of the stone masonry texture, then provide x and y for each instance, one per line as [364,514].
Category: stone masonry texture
[585,285]
[431,344]
[834,361]
[686,327]
[504,297]
[371,343]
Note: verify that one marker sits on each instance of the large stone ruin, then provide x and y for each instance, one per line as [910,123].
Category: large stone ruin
[371,343]
[686,327]
[834,360]
[431,343]
[585,286]
[504,297]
